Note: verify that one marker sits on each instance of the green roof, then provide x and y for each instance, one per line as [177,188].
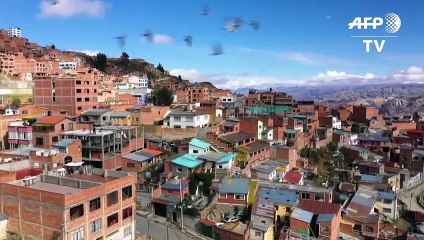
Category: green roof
[227,158]
[187,160]
[199,143]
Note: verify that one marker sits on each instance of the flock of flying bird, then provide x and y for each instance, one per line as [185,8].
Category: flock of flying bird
[231,25]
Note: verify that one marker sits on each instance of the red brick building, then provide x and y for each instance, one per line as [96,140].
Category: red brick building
[46,130]
[362,114]
[80,206]
[71,93]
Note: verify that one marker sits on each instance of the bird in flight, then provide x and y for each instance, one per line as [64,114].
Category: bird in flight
[233,25]
[254,24]
[121,41]
[148,35]
[217,50]
[188,40]
[206,11]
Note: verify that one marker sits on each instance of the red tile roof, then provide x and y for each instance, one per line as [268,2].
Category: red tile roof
[152,151]
[347,187]
[51,119]
[293,177]
[317,207]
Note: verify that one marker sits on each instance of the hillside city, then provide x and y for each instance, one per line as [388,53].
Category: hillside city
[116,148]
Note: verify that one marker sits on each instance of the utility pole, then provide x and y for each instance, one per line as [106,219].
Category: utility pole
[182,217]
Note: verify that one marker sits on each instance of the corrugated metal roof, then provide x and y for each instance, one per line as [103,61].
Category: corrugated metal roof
[302,215]
[199,143]
[64,142]
[120,115]
[325,217]
[234,185]
[187,160]
[279,196]
[372,178]
[387,195]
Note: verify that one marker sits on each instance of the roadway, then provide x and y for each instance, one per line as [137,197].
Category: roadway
[159,229]
[411,200]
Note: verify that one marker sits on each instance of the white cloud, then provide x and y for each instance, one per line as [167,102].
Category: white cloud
[327,78]
[68,8]
[161,38]
[411,75]
[89,52]
[327,17]
[195,76]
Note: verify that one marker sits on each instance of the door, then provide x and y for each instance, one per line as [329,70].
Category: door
[174,216]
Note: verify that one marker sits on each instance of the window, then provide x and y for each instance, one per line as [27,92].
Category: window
[369,229]
[131,165]
[87,99]
[195,151]
[55,139]
[387,210]
[104,118]
[179,169]
[126,192]
[258,233]
[127,231]
[78,234]
[77,211]
[39,141]
[79,108]
[79,99]
[263,221]
[387,201]
[24,112]
[96,225]
[357,227]
[189,119]
[70,126]
[223,195]
[306,196]
[94,204]
[239,196]
[177,119]
[112,219]
[136,119]
[178,126]
[288,209]
[78,82]
[86,90]
[319,197]
[325,228]
[112,198]
[127,212]
[79,90]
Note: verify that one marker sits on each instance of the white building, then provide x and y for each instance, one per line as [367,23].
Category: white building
[14,32]
[337,124]
[387,204]
[139,81]
[227,99]
[68,65]
[186,120]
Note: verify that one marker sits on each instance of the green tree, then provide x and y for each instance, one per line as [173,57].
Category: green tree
[100,61]
[356,128]
[16,101]
[319,180]
[125,60]
[160,68]
[161,97]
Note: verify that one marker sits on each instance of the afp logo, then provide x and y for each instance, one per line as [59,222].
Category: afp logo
[392,25]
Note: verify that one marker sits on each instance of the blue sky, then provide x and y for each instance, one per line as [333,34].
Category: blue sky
[299,42]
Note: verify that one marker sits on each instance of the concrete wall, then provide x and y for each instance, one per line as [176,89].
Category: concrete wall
[15,166]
